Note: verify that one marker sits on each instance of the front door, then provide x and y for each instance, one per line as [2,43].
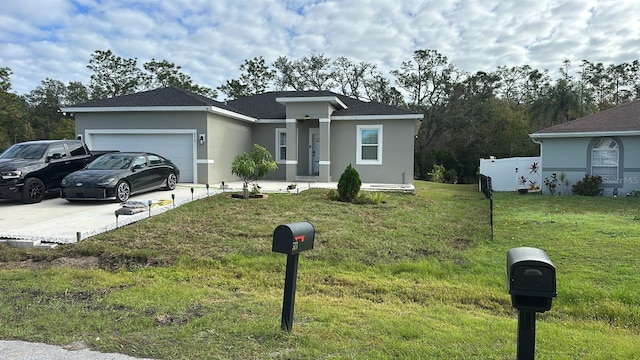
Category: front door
[314,154]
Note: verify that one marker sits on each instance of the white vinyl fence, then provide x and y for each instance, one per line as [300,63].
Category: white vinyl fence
[511,174]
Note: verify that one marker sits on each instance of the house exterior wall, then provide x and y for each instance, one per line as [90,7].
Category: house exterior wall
[572,156]
[226,139]
[397,151]
[265,135]
[313,110]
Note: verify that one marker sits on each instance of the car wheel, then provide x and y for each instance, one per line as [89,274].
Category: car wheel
[172,180]
[123,191]
[33,191]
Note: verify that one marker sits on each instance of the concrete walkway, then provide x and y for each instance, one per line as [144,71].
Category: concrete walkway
[21,350]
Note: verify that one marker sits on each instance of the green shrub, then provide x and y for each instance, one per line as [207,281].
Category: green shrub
[437,173]
[451,176]
[349,184]
[588,186]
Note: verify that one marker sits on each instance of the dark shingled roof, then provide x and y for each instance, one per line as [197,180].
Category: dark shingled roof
[261,106]
[169,96]
[265,106]
[619,119]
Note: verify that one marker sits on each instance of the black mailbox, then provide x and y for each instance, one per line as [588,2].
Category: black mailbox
[293,238]
[531,279]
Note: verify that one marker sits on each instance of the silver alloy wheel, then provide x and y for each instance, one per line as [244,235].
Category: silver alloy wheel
[172,181]
[123,191]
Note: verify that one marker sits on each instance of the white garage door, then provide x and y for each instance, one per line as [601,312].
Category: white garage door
[178,148]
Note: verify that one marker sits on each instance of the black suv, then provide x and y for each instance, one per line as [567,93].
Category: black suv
[31,169]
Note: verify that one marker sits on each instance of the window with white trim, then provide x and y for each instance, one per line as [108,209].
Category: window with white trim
[281,145]
[369,145]
[605,159]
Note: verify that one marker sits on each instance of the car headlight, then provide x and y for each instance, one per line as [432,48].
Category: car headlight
[14,174]
[105,181]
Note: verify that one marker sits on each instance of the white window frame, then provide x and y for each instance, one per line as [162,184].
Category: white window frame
[359,144]
[279,131]
[595,166]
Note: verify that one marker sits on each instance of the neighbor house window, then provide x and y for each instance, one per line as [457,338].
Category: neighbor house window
[605,159]
[281,145]
[369,145]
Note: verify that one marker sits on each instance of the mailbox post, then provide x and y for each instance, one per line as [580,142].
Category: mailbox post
[531,281]
[291,239]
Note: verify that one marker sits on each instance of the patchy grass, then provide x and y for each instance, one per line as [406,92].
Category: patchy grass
[413,276]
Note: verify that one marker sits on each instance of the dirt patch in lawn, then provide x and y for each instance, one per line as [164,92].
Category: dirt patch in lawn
[86,262]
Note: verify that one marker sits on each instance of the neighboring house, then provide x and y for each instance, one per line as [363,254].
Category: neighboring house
[605,144]
[312,135]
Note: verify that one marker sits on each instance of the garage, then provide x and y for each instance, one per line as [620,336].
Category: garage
[176,145]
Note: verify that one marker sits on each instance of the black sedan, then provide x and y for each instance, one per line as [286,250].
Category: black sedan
[120,175]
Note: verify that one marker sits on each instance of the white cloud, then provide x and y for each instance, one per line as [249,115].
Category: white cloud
[211,39]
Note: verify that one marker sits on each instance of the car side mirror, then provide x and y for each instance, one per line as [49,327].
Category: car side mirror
[55,156]
[137,167]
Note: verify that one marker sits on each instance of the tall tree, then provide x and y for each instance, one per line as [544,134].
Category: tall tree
[560,103]
[5,79]
[364,81]
[114,76]
[165,74]
[308,73]
[521,85]
[44,110]
[77,93]
[14,126]
[429,80]
[256,78]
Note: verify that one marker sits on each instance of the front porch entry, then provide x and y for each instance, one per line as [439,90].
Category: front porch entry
[311,149]
[314,153]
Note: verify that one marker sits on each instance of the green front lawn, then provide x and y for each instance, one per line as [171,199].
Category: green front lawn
[414,277]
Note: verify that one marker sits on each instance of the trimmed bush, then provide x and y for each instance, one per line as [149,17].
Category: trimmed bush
[588,186]
[349,184]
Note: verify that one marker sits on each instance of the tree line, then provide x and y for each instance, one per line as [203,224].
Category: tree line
[466,115]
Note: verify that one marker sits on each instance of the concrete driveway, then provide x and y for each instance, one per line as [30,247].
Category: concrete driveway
[57,221]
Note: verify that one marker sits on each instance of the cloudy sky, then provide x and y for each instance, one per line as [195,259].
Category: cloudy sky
[210,39]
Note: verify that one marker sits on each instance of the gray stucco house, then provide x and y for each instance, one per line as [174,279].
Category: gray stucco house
[605,144]
[312,135]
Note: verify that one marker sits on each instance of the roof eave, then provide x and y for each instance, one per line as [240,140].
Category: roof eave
[333,100]
[211,109]
[380,117]
[583,134]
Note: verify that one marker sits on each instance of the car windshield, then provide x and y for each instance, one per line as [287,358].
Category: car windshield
[24,151]
[111,162]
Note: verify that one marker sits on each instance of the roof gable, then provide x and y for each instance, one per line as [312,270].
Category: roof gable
[622,119]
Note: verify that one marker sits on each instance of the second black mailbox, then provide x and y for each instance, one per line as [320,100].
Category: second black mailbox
[531,279]
[293,238]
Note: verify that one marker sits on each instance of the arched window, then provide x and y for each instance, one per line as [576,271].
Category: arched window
[605,159]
